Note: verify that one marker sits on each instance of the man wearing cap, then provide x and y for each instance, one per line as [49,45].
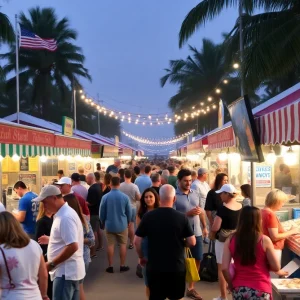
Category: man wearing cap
[115,167]
[188,202]
[64,184]
[65,250]
[77,187]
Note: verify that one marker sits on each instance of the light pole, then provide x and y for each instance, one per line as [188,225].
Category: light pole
[75,110]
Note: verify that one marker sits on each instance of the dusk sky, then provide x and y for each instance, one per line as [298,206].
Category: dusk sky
[127,44]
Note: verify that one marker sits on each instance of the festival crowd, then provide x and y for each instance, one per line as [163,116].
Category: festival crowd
[157,209]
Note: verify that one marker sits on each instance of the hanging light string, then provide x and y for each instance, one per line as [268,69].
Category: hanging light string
[158,149]
[147,141]
[202,108]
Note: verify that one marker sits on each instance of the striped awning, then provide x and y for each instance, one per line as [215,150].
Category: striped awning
[71,152]
[280,126]
[221,139]
[27,150]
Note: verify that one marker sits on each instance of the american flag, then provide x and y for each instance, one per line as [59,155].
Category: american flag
[30,40]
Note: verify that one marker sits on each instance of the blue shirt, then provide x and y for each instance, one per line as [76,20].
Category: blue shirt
[186,202]
[115,211]
[31,209]
[112,168]
[143,182]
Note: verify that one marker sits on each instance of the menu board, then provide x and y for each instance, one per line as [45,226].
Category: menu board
[24,164]
[110,151]
[28,179]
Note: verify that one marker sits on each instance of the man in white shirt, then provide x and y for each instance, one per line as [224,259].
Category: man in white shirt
[201,186]
[132,191]
[65,250]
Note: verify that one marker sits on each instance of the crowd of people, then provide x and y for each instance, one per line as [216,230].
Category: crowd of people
[158,209]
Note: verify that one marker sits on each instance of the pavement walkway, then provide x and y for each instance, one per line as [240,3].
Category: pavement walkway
[126,286]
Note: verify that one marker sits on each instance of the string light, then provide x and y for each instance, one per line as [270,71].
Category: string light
[163,118]
[158,142]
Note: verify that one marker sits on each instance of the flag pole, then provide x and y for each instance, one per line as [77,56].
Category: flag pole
[17,69]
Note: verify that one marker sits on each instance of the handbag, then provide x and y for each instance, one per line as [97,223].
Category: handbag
[224,234]
[11,284]
[209,266]
[192,274]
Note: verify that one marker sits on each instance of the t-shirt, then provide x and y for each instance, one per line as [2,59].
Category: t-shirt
[94,198]
[229,217]
[166,230]
[186,202]
[213,202]
[66,229]
[202,188]
[143,182]
[81,190]
[23,264]
[115,211]
[173,181]
[156,188]
[31,209]
[112,168]
[131,190]
[270,220]
[83,204]
[43,227]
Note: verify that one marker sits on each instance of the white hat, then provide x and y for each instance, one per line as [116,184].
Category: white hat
[227,188]
[64,180]
[47,191]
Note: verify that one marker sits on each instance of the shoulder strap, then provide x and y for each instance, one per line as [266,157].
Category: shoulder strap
[12,286]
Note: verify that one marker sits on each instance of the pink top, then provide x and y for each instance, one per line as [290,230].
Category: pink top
[255,276]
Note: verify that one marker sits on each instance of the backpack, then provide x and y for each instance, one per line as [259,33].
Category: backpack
[209,266]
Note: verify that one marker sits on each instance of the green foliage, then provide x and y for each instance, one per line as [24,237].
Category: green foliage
[197,76]
[45,77]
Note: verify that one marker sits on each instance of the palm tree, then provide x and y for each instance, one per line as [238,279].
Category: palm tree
[42,68]
[272,45]
[7,34]
[197,77]
[271,39]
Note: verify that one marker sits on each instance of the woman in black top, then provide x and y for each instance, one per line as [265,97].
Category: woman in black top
[106,184]
[42,233]
[224,224]
[213,200]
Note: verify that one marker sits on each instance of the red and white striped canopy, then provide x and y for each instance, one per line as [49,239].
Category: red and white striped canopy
[221,139]
[280,126]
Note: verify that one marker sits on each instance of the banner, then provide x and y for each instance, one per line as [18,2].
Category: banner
[263,176]
[67,126]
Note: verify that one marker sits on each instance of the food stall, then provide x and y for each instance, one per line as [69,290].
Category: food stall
[22,148]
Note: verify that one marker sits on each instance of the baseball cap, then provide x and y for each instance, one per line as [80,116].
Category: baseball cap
[48,190]
[75,177]
[202,171]
[64,180]
[227,188]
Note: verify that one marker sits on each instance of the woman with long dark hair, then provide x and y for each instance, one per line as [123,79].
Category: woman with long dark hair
[213,200]
[149,201]
[254,257]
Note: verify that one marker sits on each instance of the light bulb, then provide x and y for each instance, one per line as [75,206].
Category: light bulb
[271,157]
[225,81]
[236,66]
[61,157]
[78,157]
[290,158]
[218,91]
[43,158]
[15,157]
[68,158]
[209,98]
[223,156]
[1,158]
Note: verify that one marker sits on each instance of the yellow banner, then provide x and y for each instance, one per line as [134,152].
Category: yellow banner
[33,164]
